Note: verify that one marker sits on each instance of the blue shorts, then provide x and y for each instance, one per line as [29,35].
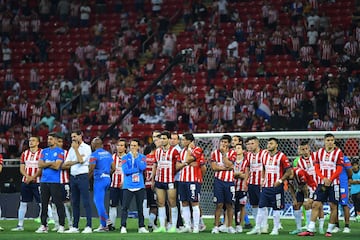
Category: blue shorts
[254,194]
[224,192]
[189,191]
[327,194]
[165,186]
[300,196]
[29,192]
[272,197]
[151,198]
[344,193]
[116,196]
[66,192]
[240,197]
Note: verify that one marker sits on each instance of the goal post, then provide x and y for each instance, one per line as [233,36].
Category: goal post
[348,141]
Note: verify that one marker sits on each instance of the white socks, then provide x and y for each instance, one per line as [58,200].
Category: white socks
[297,215]
[186,215]
[162,216]
[311,226]
[21,213]
[196,216]
[113,214]
[152,218]
[321,223]
[276,219]
[174,216]
[69,213]
[255,213]
[308,216]
[330,227]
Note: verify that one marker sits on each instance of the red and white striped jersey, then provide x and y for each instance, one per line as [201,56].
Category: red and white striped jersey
[24,110]
[36,113]
[274,168]
[328,161]
[6,118]
[117,177]
[170,113]
[325,51]
[35,25]
[192,173]
[65,173]
[302,177]
[225,175]
[306,53]
[166,161]
[255,161]
[150,161]
[240,166]
[31,161]
[308,164]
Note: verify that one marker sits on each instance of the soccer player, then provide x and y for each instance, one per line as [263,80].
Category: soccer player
[328,167]
[301,186]
[78,162]
[50,162]
[222,163]
[189,165]
[117,179]
[163,180]
[255,157]
[31,179]
[276,169]
[133,166]
[241,174]
[100,167]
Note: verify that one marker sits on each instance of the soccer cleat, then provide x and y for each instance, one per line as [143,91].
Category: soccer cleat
[101,229]
[264,230]
[1,228]
[172,230]
[160,230]
[185,229]
[306,233]
[254,231]
[202,227]
[18,229]
[72,230]
[231,230]
[346,230]
[87,229]
[42,229]
[295,232]
[195,230]
[335,230]
[248,226]
[223,229]
[61,229]
[123,230]
[328,234]
[274,232]
[143,230]
[215,230]
[54,229]
[239,229]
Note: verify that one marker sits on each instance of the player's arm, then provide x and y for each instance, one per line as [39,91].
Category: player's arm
[292,192]
[227,162]
[141,162]
[153,173]
[69,161]
[216,167]
[28,178]
[339,167]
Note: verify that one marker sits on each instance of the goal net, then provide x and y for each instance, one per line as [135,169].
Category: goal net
[288,143]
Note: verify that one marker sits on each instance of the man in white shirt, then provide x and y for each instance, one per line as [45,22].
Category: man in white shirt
[78,162]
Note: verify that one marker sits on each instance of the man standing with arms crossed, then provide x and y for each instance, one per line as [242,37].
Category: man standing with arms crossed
[166,157]
[328,167]
[50,162]
[78,162]
[29,168]
[222,163]
[117,180]
[189,165]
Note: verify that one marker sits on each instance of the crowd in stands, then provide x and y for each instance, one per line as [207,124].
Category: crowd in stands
[289,57]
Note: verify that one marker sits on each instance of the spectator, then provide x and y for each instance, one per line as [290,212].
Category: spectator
[6,55]
[98,31]
[85,11]
[9,79]
[169,43]
[74,13]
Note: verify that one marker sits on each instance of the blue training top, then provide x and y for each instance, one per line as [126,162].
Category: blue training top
[50,175]
[343,175]
[103,160]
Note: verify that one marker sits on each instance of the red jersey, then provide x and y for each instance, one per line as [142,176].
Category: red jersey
[240,166]
[150,161]
[65,175]
[328,162]
[255,164]
[166,161]
[308,164]
[302,177]
[1,159]
[225,175]
[117,177]
[274,168]
[191,173]
[31,161]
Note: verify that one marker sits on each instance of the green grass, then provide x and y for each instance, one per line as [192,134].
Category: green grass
[31,226]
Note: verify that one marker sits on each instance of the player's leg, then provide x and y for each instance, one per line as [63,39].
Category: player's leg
[278,199]
[229,203]
[219,198]
[237,208]
[85,197]
[127,197]
[161,198]
[344,202]
[26,197]
[139,198]
[194,200]
[67,204]
[114,199]
[298,212]
[171,193]
[151,204]
[57,198]
[45,198]
[333,196]
[75,201]
[100,187]
[183,190]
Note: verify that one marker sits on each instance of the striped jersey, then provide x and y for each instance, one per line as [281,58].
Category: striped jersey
[65,173]
[255,161]
[225,175]
[150,161]
[308,164]
[31,161]
[240,167]
[274,168]
[302,177]
[328,161]
[166,161]
[117,177]
[192,173]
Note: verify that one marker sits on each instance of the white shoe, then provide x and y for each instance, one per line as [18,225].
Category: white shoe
[72,230]
[231,230]
[42,229]
[185,229]
[1,228]
[61,229]
[254,231]
[18,229]
[196,230]
[264,229]
[280,227]
[223,229]
[346,230]
[239,229]
[143,230]
[54,229]
[335,230]
[87,229]
[202,227]
[123,230]
[274,232]
[215,230]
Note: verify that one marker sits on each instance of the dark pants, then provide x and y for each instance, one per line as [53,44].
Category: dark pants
[356,200]
[79,186]
[127,198]
[53,190]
